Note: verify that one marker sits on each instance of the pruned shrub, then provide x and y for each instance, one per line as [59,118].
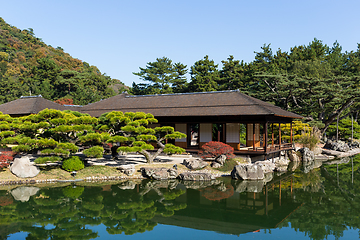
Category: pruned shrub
[95,152]
[73,163]
[41,160]
[214,149]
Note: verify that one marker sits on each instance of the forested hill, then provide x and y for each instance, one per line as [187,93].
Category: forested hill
[29,66]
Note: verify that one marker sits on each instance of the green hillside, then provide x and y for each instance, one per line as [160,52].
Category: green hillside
[30,67]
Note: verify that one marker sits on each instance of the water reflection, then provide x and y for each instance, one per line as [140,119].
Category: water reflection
[317,199]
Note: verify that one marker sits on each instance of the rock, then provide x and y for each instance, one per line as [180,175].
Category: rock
[221,159]
[337,146]
[281,164]
[317,150]
[194,176]
[247,172]
[127,185]
[215,165]
[307,155]
[129,170]
[200,184]
[23,168]
[354,144]
[293,166]
[293,156]
[267,165]
[159,173]
[194,164]
[23,194]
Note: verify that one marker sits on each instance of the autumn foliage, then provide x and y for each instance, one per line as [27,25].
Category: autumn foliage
[214,149]
[5,158]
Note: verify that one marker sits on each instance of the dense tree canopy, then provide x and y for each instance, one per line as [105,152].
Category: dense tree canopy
[317,81]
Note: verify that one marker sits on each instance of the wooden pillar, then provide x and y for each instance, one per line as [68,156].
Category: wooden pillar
[266,199]
[291,134]
[279,135]
[272,135]
[265,136]
[254,136]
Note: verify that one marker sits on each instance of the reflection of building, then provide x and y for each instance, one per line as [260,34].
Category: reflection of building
[241,213]
[249,125]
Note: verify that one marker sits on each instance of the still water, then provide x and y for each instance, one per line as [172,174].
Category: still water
[315,201]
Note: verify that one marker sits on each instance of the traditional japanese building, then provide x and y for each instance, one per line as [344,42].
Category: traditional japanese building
[249,125]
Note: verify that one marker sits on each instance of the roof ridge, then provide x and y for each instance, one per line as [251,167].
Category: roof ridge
[179,94]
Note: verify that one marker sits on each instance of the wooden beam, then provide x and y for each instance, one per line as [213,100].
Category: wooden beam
[266,136]
[279,135]
[254,136]
[291,134]
[272,135]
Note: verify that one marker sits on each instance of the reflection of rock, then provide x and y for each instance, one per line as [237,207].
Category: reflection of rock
[308,166]
[338,161]
[23,168]
[190,176]
[159,173]
[218,192]
[307,154]
[248,172]
[194,164]
[249,186]
[169,184]
[293,166]
[127,185]
[200,184]
[267,166]
[23,194]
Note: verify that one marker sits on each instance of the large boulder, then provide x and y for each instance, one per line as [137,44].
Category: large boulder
[221,159]
[337,146]
[307,154]
[194,164]
[196,176]
[293,156]
[267,166]
[23,168]
[248,172]
[23,194]
[159,173]
[129,170]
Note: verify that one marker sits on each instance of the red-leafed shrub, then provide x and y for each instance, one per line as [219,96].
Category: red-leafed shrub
[214,149]
[5,158]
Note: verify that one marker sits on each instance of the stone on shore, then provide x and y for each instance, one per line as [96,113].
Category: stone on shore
[267,166]
[337,146]
[307,154]
[23,168]
[194,164]
[159,173]
[129,170]
[248,172]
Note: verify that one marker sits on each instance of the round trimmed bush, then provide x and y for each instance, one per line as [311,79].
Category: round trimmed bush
[73,163]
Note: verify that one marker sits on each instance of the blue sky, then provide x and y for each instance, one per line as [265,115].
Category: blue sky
[120,36]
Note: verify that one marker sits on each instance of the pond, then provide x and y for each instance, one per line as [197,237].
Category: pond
[316,201]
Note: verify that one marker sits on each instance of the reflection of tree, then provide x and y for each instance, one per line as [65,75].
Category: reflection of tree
[64,213]
[218,192]
[331,200]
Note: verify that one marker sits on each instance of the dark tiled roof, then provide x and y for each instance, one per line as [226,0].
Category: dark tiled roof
[28,105]
[188,104]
